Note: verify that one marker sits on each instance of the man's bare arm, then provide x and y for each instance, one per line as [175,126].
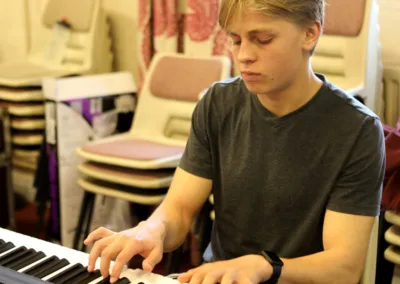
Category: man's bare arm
[185,198]
[346,239]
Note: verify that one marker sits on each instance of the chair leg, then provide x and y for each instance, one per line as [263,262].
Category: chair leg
[81,220]
[92,198]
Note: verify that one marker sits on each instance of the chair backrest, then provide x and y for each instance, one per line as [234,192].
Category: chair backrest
[89,43]
[348,51]
[170,92]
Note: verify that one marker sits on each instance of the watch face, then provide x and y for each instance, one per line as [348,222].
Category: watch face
[272,258]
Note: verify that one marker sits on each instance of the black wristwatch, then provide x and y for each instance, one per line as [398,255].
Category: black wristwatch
[276,264]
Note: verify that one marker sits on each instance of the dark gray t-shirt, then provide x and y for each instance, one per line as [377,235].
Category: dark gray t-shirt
[274,178]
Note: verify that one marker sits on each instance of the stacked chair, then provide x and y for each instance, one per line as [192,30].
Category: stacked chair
[7,219]
[138,166]
[392,236]
[87,51]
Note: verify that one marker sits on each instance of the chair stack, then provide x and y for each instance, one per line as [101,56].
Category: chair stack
[392,236]
[7,219]
[86,51]
[138,166]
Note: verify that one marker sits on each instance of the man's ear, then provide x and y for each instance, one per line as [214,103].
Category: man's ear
[311,36]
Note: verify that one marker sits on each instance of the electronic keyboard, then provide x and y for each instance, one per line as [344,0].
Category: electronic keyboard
[24,259]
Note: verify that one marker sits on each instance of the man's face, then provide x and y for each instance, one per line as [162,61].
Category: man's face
[269,52]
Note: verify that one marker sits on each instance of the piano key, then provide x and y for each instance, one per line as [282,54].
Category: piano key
[27,261]
[12,255]
[46,267]
[72,257]
[91,277]
[104,280]
[2,242]
[123,281]
[86,277]
[60,264]
[7,246]
[67,274]
[28,253]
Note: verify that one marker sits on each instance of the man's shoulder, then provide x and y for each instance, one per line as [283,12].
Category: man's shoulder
[227,91]
[346,105]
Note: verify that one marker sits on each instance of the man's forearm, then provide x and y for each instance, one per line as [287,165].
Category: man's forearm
[176,224]
[324,267]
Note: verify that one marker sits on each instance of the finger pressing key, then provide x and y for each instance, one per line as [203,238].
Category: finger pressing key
[123,257]
[107,255]
[96,251]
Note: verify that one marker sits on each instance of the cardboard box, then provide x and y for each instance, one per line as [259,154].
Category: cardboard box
[79,110]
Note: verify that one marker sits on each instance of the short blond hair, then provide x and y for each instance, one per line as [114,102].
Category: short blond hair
[298,11]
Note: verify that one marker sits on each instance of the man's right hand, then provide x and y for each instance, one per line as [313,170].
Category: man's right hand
[146,239]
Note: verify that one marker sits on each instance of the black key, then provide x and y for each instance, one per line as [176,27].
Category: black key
[85,277]
[6,247]
[123,281]
[92,276]
[12,255]
[46,267]
[59,264]
[2,242]
[67,274]
[28,261]
[28,253]
[46,263]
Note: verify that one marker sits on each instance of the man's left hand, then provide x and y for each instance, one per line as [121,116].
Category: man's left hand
[249,269]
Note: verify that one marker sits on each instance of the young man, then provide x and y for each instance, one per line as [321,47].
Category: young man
[295,164]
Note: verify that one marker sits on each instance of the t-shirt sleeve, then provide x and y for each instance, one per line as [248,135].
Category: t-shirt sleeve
[197,158]
[359,187]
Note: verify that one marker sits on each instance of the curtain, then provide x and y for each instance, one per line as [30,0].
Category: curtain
[182,26]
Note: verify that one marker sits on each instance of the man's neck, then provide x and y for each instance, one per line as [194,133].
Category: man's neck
[293,97]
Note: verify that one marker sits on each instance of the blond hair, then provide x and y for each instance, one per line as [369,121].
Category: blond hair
[300,12]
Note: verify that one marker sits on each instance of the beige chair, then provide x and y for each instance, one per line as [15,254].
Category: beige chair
[348,53]
[392,236]
[87,49]
[138,166]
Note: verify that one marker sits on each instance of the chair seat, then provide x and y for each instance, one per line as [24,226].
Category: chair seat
[392,218]
[23,163]
[21,94]
[392,254]
[25,73]
[145,197]
[27,139]
[23,109]
[392,235]
[133,153]
[128,176]
[26,154]
[28,124]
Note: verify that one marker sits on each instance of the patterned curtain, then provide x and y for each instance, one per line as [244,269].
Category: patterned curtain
[183,26]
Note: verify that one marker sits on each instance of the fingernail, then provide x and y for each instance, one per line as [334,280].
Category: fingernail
[113,279]
[139,237]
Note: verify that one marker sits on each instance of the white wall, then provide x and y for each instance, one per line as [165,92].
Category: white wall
[13,30]
[390,36]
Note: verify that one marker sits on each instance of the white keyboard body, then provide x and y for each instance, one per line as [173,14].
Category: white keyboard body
[74,257]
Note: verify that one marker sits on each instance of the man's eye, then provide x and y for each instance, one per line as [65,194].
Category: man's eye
[264,41]
[237,42]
